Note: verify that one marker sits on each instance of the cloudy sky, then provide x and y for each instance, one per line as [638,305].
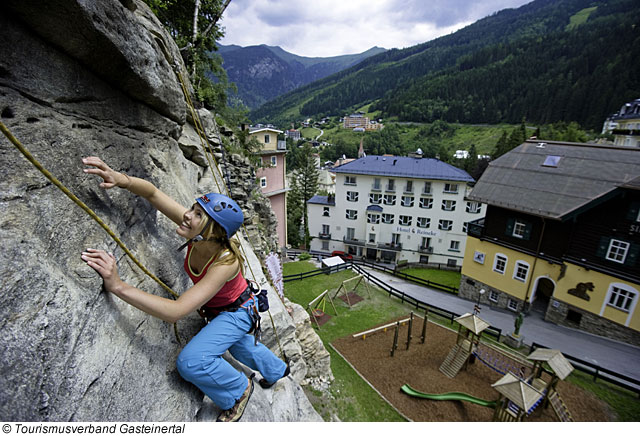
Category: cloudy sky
[334,27]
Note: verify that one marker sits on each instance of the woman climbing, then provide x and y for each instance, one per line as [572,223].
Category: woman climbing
[220,291]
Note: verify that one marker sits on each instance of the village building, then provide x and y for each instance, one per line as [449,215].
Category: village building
[624,125]
[271,175]
[561,235]
[393,209]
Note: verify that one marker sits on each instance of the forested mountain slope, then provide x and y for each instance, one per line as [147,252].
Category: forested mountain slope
[263,72]
[550,60]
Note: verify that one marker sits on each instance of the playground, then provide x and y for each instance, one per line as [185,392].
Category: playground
[418,366]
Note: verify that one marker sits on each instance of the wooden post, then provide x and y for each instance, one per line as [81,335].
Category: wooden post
[395,340]
[409,332]
[424,327]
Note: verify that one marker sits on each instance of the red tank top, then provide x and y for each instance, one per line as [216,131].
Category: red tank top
[230,291]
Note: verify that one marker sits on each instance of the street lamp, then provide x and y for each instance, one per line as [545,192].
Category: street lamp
[476,309]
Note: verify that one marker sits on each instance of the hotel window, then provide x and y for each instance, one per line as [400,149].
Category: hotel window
[372,238]
[454,246]
[493,296]
[521,270]
[267,138]
[519,229]
[263,182]
[621,298]
[352,196]
[512,304]
[427,188]
[376,185]
[473,207]
[326,229]
[325,211]
[349,180]
[390,200]
[409,186]
[375,198]
[450,188]
[500,263]
[387,218]
[325,245]
[449,205]
[373,218]
[426,243]
[445,225]
[274,161]
[617,251]
[395,238]
[351,234]
[426,203]
[352,214]
[391,185]
[465,227]
[424,222]
[407,201]
[404,220]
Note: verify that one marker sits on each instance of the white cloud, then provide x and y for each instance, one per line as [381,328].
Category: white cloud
[334,27]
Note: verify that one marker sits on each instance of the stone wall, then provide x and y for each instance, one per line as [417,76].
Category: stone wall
[470,289]
[557,313]
[92,78]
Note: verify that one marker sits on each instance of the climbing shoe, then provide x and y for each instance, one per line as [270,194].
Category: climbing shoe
[235,413]
[266,385]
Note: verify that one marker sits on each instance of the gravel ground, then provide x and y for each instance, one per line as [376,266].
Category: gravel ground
[419,365]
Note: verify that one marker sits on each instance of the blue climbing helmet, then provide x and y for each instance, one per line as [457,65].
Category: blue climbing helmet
[222,210]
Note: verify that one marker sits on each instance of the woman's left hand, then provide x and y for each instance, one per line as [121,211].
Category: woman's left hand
[105,264]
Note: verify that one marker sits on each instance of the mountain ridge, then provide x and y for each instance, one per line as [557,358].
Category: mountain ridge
[483,73]
[263,72]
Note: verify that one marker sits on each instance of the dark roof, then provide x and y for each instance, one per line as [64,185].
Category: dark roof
[323,199]
[629,110]
[584,175]
[407,167]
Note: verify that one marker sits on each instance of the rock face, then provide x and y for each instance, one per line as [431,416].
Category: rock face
[92,78]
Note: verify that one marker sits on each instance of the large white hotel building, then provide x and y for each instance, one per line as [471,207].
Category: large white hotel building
[389,209]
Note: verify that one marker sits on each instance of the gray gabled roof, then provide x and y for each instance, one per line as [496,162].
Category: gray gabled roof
[407,167]
[585,174]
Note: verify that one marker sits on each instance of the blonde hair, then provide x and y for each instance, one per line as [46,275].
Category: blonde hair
[215,232]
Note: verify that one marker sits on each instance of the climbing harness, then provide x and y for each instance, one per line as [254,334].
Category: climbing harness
[208,152]
[212,163]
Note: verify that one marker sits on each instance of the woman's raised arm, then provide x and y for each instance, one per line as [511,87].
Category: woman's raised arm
[161,201]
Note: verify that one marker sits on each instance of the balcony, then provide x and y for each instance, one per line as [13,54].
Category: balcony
[390,246]
[352,241]
[476,228]
[426,250]
[322,235]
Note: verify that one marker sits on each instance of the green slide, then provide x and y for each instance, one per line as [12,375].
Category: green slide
[449,396]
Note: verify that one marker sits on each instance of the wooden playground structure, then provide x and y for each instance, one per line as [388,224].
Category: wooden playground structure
[527,384]
[316,307]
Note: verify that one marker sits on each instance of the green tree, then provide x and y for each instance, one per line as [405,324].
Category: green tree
[193,24]
[306,180]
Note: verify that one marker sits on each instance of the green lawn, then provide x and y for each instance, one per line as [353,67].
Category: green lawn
[449,278]
[353,399]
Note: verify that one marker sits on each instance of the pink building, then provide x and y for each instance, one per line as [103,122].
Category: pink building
[271,175]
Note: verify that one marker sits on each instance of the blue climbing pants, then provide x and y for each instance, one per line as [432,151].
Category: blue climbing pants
[201,362]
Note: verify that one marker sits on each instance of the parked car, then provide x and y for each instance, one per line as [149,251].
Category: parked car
[342,254]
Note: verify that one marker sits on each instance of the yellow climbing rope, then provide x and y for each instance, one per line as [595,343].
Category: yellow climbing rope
[82,205]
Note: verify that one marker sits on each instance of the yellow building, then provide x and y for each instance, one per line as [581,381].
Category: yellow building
[561,235]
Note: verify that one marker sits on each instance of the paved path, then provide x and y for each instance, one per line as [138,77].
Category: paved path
[616,356]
